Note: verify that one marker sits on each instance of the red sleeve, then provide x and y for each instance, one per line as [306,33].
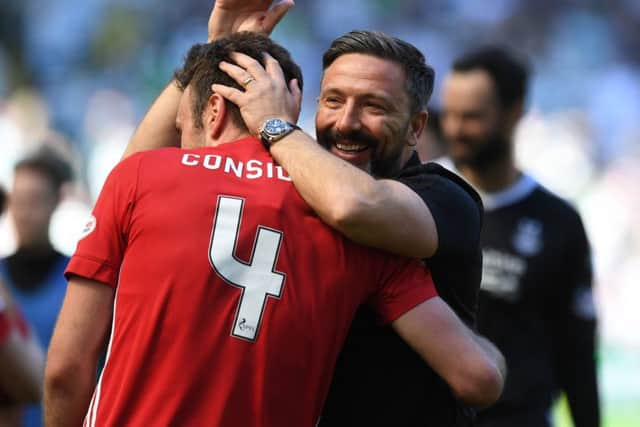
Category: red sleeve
[10,318]
[407,283]
[99,252]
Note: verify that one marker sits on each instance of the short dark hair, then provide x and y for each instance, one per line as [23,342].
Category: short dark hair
[509,74]
[200,69]
[420,76]
[49,163]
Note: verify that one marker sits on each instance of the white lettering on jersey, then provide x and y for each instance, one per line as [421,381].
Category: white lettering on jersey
[501,274]
[190,159]
[252,169]
[282,174]
[230,165]
[212,165]
[258,278]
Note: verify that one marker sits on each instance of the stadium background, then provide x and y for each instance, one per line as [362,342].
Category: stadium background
[79,75]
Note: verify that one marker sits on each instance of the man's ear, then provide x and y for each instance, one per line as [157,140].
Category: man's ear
[416,127]
[215,116]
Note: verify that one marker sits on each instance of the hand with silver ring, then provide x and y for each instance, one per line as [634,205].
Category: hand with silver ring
[271,96]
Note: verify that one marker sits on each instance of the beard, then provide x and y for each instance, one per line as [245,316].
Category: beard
[387,166]
[381,165]
[484,154]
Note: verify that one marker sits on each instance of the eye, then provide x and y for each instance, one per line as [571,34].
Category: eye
[332,101]
[376,107]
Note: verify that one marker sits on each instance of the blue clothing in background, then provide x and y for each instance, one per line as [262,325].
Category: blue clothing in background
[40,306]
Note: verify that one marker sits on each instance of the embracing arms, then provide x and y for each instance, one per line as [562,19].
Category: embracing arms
[385,214]
[472,366]
[345,197]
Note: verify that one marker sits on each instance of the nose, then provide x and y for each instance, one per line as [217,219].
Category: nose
[452,126]
[349,118]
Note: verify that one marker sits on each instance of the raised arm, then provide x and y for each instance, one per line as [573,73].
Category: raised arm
[385,214]
[258,16]
[78,341]
[157,129]
[472,366]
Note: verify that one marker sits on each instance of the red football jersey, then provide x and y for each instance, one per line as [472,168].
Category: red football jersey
[232,298]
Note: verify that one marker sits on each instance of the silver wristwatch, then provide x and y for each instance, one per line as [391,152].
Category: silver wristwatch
[275,129]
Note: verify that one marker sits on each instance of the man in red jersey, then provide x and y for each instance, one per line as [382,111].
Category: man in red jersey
[228,298]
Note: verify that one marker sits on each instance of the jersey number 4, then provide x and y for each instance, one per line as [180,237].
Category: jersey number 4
[258,278]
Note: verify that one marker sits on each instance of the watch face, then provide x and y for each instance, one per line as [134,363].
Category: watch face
[275,126]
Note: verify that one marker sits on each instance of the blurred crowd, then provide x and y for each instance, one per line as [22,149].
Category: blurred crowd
[79,78]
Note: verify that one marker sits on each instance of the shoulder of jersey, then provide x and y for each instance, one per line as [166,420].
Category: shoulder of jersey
[444,166]
[561,206]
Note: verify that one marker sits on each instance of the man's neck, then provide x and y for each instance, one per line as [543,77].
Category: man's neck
[496,177]
[36,247]
[230,134]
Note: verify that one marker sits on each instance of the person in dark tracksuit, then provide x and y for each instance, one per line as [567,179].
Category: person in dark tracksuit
[536,301]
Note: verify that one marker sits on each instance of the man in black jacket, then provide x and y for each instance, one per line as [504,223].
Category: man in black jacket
[536,300]
[371,112]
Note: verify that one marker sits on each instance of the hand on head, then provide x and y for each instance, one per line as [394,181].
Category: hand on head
[266,93]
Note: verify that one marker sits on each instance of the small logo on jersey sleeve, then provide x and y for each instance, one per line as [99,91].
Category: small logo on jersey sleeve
[88,227]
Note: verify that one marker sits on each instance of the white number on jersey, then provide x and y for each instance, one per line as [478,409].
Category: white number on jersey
[258,278]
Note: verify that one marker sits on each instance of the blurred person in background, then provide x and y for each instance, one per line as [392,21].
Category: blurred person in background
[34,273]
[431,144]
[196,340]
[371,112]
[21,357]
[536,300]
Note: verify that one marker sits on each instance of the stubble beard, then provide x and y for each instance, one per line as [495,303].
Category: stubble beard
[494,150]
[388,166]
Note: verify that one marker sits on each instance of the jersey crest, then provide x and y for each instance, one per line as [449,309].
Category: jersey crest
[527,238]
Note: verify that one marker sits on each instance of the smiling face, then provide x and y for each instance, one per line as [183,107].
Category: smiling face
[364,115]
